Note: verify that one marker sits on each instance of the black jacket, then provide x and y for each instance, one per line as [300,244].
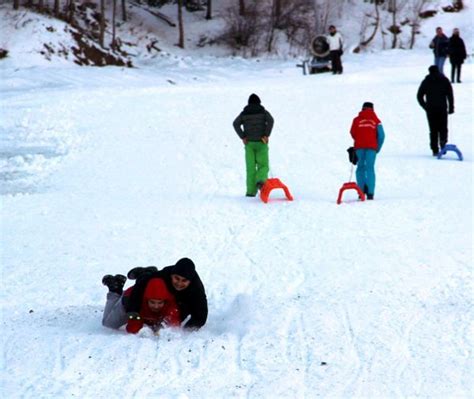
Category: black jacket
[440,45]
[436,93]
[191,301]
[457,50]
[257,123]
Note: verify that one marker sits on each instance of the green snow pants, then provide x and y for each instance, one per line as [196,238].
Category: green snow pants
[256,161]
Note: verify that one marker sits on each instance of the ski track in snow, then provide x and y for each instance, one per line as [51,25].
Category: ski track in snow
[104,171]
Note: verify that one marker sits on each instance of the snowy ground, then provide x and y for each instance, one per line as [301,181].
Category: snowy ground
[106,169]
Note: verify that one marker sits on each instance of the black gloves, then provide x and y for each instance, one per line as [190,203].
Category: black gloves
[352,155]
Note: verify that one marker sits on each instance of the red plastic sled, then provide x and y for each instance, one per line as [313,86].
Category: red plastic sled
[272,184]
[350,186]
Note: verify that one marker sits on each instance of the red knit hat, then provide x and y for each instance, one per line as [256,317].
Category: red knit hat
[156,289]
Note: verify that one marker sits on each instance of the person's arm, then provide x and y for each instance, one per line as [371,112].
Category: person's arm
[237,126]
[450,98]
[380,137]
[420,96]
[269,123]
[198,307]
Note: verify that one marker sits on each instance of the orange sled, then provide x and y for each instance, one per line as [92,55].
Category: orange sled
[272,184]
[350,186]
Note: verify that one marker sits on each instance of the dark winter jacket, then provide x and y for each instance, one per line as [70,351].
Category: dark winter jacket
[191,301]
[436,93]
[457,50]
[257,123]
[440,45]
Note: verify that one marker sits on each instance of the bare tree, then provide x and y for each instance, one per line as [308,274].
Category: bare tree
[209,9]
[56,8]
[114,13]
[124,11]
[180,23]
[395,7]
[102,23]
[376,24]
[416,9]
[241,7]
[16,4]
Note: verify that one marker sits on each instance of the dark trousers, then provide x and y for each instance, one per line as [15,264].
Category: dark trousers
[456,70]
[336,61]
[438,123]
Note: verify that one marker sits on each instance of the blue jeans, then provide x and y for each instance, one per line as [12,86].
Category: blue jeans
[439,62]
[365,172]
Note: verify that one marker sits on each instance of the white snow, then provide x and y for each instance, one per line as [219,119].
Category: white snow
[106,169]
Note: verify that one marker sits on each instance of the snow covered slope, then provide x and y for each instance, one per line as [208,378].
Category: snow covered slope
[106,169]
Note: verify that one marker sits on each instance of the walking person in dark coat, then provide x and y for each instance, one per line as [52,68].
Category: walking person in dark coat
[257,126]
[435,95]
[184,284]
[457,55]
[440,45]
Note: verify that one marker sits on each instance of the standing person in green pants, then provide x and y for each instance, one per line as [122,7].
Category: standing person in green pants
[257,126]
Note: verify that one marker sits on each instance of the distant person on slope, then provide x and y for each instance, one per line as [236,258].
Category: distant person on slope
[435,95]
[457,55]
[368,134]
[440,46]
[156,309]
[257,126]
[182,281]
[335,49]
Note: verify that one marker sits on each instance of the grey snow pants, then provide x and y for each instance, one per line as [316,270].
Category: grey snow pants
[114,312]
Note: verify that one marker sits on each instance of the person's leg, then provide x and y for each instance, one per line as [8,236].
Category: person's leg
[453,68]
[433,132]
[250,168]
[443,128]
[370,156]
[459,72]
[261,158]
[441,64]
[114,313]
[333,55]
[361,171]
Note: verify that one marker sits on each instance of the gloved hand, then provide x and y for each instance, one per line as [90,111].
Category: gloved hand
[451,111]
[265,139]
[244,140]
[134,323]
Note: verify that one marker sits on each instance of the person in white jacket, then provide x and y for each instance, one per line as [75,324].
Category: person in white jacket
[335,49]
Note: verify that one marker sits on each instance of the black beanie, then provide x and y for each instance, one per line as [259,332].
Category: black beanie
[368,105]
[185,268]
[254,99]
[433,70]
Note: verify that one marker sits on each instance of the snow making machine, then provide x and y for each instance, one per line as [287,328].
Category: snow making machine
[320,60]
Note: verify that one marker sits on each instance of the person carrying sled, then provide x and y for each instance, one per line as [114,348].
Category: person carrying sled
[368,134]
[156,309]
[435,96]
[183,283]
[440,46]
[457,55]
[334,40]
[257,125]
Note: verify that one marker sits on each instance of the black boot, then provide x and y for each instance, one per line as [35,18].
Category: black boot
[114,283]
[370,196]
[136,272]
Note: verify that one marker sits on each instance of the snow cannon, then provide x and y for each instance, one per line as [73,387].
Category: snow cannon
[272,184]
[320,60]
[450,147]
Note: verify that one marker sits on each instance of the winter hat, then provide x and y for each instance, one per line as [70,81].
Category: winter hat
[254,99]
[185,268]
[368,105]
[156,289]
[433,70]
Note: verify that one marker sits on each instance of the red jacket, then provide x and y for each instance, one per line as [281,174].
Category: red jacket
[168,315]
[364,130]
